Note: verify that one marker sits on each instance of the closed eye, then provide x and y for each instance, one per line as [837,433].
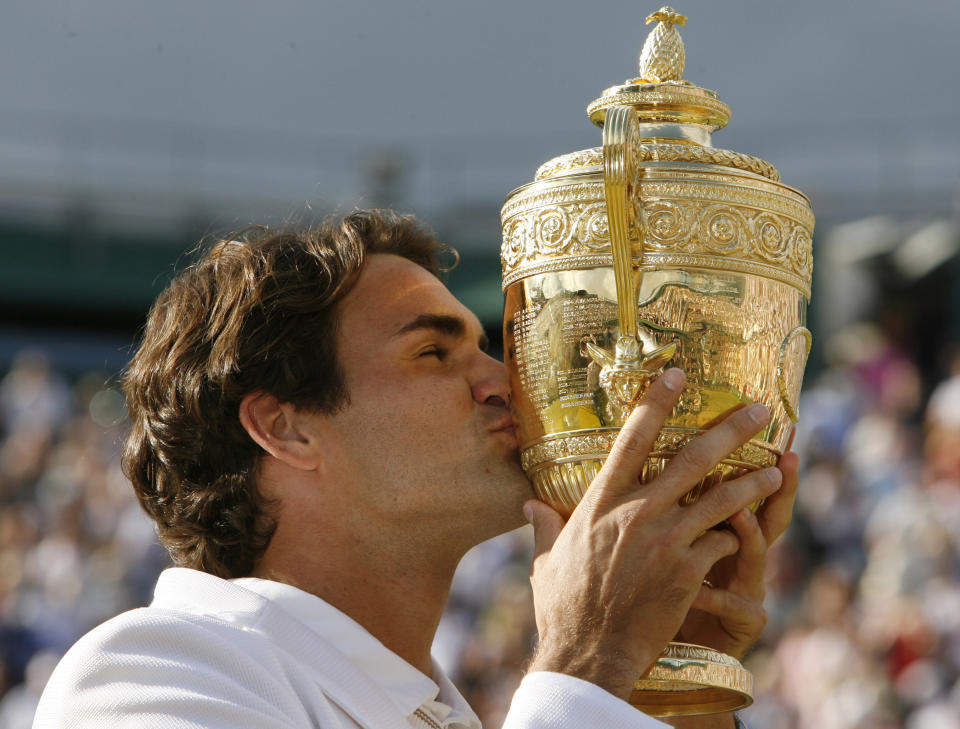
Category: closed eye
[434,352]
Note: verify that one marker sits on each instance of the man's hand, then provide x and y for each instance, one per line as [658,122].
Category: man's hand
[728,613]
[613,585]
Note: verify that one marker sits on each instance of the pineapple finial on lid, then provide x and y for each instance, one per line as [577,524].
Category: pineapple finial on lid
[663,57]
[660,95]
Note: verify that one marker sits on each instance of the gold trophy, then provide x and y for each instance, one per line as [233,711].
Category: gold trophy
[655,249]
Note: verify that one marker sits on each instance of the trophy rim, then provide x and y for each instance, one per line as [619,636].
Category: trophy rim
[594,173]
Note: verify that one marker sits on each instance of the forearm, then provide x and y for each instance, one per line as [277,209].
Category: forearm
[607,666]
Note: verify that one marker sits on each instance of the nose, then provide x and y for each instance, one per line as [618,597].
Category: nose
[491,384]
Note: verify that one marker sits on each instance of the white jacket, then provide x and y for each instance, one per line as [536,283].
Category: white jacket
[208,653]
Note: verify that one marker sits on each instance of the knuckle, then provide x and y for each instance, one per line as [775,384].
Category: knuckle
[763,617]
[695,457]
[630,515]
[723,500]
[731,543]
[674,533]
[632,441]
[687,572]
[721,543]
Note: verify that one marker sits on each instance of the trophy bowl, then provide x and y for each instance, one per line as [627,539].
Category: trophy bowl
[655,250]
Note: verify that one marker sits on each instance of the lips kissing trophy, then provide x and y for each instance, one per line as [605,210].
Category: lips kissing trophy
[655,249]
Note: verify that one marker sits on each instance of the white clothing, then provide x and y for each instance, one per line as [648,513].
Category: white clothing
[407,687]
[213,654]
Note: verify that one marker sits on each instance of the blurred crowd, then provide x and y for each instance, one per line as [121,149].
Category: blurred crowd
[863,590]
[75,547]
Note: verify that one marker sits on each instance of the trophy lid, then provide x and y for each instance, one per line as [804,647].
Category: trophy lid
[659,93]
[676,118]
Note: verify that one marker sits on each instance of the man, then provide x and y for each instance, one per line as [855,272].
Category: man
[320,436]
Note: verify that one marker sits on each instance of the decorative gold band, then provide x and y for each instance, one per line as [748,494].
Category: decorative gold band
[565,447]
[713,222]
[671,101]
[660,152]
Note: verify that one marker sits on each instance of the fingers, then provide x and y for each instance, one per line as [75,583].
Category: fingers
[727,498]
[793,435]
[776,512]
[698,458]
[625,462]
[711,547]
[746,616]
[752,556]
[547,525]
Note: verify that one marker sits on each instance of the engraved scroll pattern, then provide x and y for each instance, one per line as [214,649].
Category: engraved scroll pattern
[555,229]
[688,227]
[728,230]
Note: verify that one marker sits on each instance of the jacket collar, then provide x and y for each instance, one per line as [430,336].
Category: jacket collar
[336,676]
[407,687]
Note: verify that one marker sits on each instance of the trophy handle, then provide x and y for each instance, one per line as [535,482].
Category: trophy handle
[625,374]
[783,365]
[621,136]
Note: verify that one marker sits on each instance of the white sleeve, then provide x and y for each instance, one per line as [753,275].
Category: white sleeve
[141,670]
[548,700]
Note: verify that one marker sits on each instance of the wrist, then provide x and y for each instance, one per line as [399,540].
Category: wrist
[611,670]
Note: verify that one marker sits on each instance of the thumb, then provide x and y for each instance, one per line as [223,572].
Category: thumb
[547,524]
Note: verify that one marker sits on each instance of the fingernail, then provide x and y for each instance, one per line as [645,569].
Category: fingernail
[773,475]
[673,379]
[758,414]
[528,512]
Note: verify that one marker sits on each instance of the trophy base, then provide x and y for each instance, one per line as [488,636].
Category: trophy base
[689,680]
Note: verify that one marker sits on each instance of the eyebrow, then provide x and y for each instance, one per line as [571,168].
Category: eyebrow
[452,326]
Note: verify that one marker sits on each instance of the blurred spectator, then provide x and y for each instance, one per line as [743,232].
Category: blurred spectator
[31,393]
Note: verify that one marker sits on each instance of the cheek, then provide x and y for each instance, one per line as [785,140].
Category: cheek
[399,412]
[415,397]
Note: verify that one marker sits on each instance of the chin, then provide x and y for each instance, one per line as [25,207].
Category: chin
[507,484]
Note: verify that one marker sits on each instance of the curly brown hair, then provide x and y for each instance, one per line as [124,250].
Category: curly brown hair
[256,312]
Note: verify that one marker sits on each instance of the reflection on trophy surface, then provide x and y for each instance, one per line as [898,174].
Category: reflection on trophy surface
[656,249]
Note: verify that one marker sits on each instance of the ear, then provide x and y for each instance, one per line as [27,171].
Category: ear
[280,429]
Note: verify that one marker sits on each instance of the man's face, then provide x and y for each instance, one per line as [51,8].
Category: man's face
[426,439]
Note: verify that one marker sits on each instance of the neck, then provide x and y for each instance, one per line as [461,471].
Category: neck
[397,590]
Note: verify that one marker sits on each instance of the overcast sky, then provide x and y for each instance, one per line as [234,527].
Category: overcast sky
[485,75]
